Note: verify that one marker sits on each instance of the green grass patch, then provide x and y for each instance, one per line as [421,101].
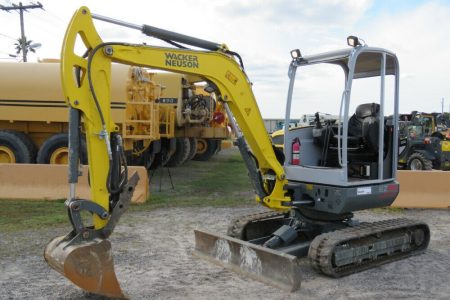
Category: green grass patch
[222,181]
[21,214]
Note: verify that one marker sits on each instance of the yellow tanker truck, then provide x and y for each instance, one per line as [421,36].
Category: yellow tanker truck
[165,118]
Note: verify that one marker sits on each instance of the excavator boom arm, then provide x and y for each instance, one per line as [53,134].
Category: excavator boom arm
[216,66]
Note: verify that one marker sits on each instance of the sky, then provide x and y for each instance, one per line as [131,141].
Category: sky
[264,32]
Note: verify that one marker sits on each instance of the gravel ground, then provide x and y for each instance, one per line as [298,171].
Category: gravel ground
[153,260]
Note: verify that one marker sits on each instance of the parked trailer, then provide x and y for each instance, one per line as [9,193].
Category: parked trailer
[162,116]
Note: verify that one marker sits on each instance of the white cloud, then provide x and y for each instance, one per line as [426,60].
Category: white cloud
[265,31]
[420,40]
[286,12]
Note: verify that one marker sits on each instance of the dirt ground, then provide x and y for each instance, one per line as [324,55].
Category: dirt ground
[152,252]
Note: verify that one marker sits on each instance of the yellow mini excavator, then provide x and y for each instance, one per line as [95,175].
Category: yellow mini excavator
[327,171]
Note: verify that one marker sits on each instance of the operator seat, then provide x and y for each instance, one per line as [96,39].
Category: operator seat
[363,127]
[362,139]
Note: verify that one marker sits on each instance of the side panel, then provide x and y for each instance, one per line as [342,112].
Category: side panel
[340,200]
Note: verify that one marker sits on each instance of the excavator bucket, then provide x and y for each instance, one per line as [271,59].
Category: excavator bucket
[88,264]
[259,263]
[84,256]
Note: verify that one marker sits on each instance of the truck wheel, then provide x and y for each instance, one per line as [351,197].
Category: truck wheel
[206,148]
[15,147]
[55,150]
[193,148]
[160,159]
[417,161]
[181,152]
[28,142]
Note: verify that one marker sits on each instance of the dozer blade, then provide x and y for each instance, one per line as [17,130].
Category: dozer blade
[88,264]
[263,264]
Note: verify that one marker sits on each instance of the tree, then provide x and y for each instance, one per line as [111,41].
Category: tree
[24,42]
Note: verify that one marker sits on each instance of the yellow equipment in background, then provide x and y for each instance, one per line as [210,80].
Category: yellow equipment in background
[151,109]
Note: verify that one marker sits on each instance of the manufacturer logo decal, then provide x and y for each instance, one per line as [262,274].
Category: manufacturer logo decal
[181,60]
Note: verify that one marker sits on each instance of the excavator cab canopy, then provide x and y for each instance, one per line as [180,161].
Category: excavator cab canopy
[368,64]
[357,148]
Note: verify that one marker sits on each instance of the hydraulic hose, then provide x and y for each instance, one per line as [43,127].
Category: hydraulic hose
[116,179]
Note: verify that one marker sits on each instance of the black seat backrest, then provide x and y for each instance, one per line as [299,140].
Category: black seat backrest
[364,124]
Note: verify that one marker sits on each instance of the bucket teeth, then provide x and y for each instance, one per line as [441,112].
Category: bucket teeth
[263,264]
[88,264]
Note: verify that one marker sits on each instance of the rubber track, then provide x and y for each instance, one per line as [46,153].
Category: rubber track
[237,225]
[322,247]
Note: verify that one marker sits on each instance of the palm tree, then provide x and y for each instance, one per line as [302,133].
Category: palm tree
[27,44]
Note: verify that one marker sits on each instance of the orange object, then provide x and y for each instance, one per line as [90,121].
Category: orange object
[49,182]
[423,189]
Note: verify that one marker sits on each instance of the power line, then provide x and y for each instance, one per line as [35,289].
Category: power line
[55,16]
[22,8]
[7,36]
[45,23]
[10,56]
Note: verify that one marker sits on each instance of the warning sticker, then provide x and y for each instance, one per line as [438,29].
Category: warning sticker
[367,190]
[231,77]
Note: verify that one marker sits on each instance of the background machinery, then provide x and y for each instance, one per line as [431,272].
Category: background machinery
[159,115]
[324,174]
[424,142]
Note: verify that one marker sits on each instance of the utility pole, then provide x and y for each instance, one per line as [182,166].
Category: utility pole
[442,105]
[22,8]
